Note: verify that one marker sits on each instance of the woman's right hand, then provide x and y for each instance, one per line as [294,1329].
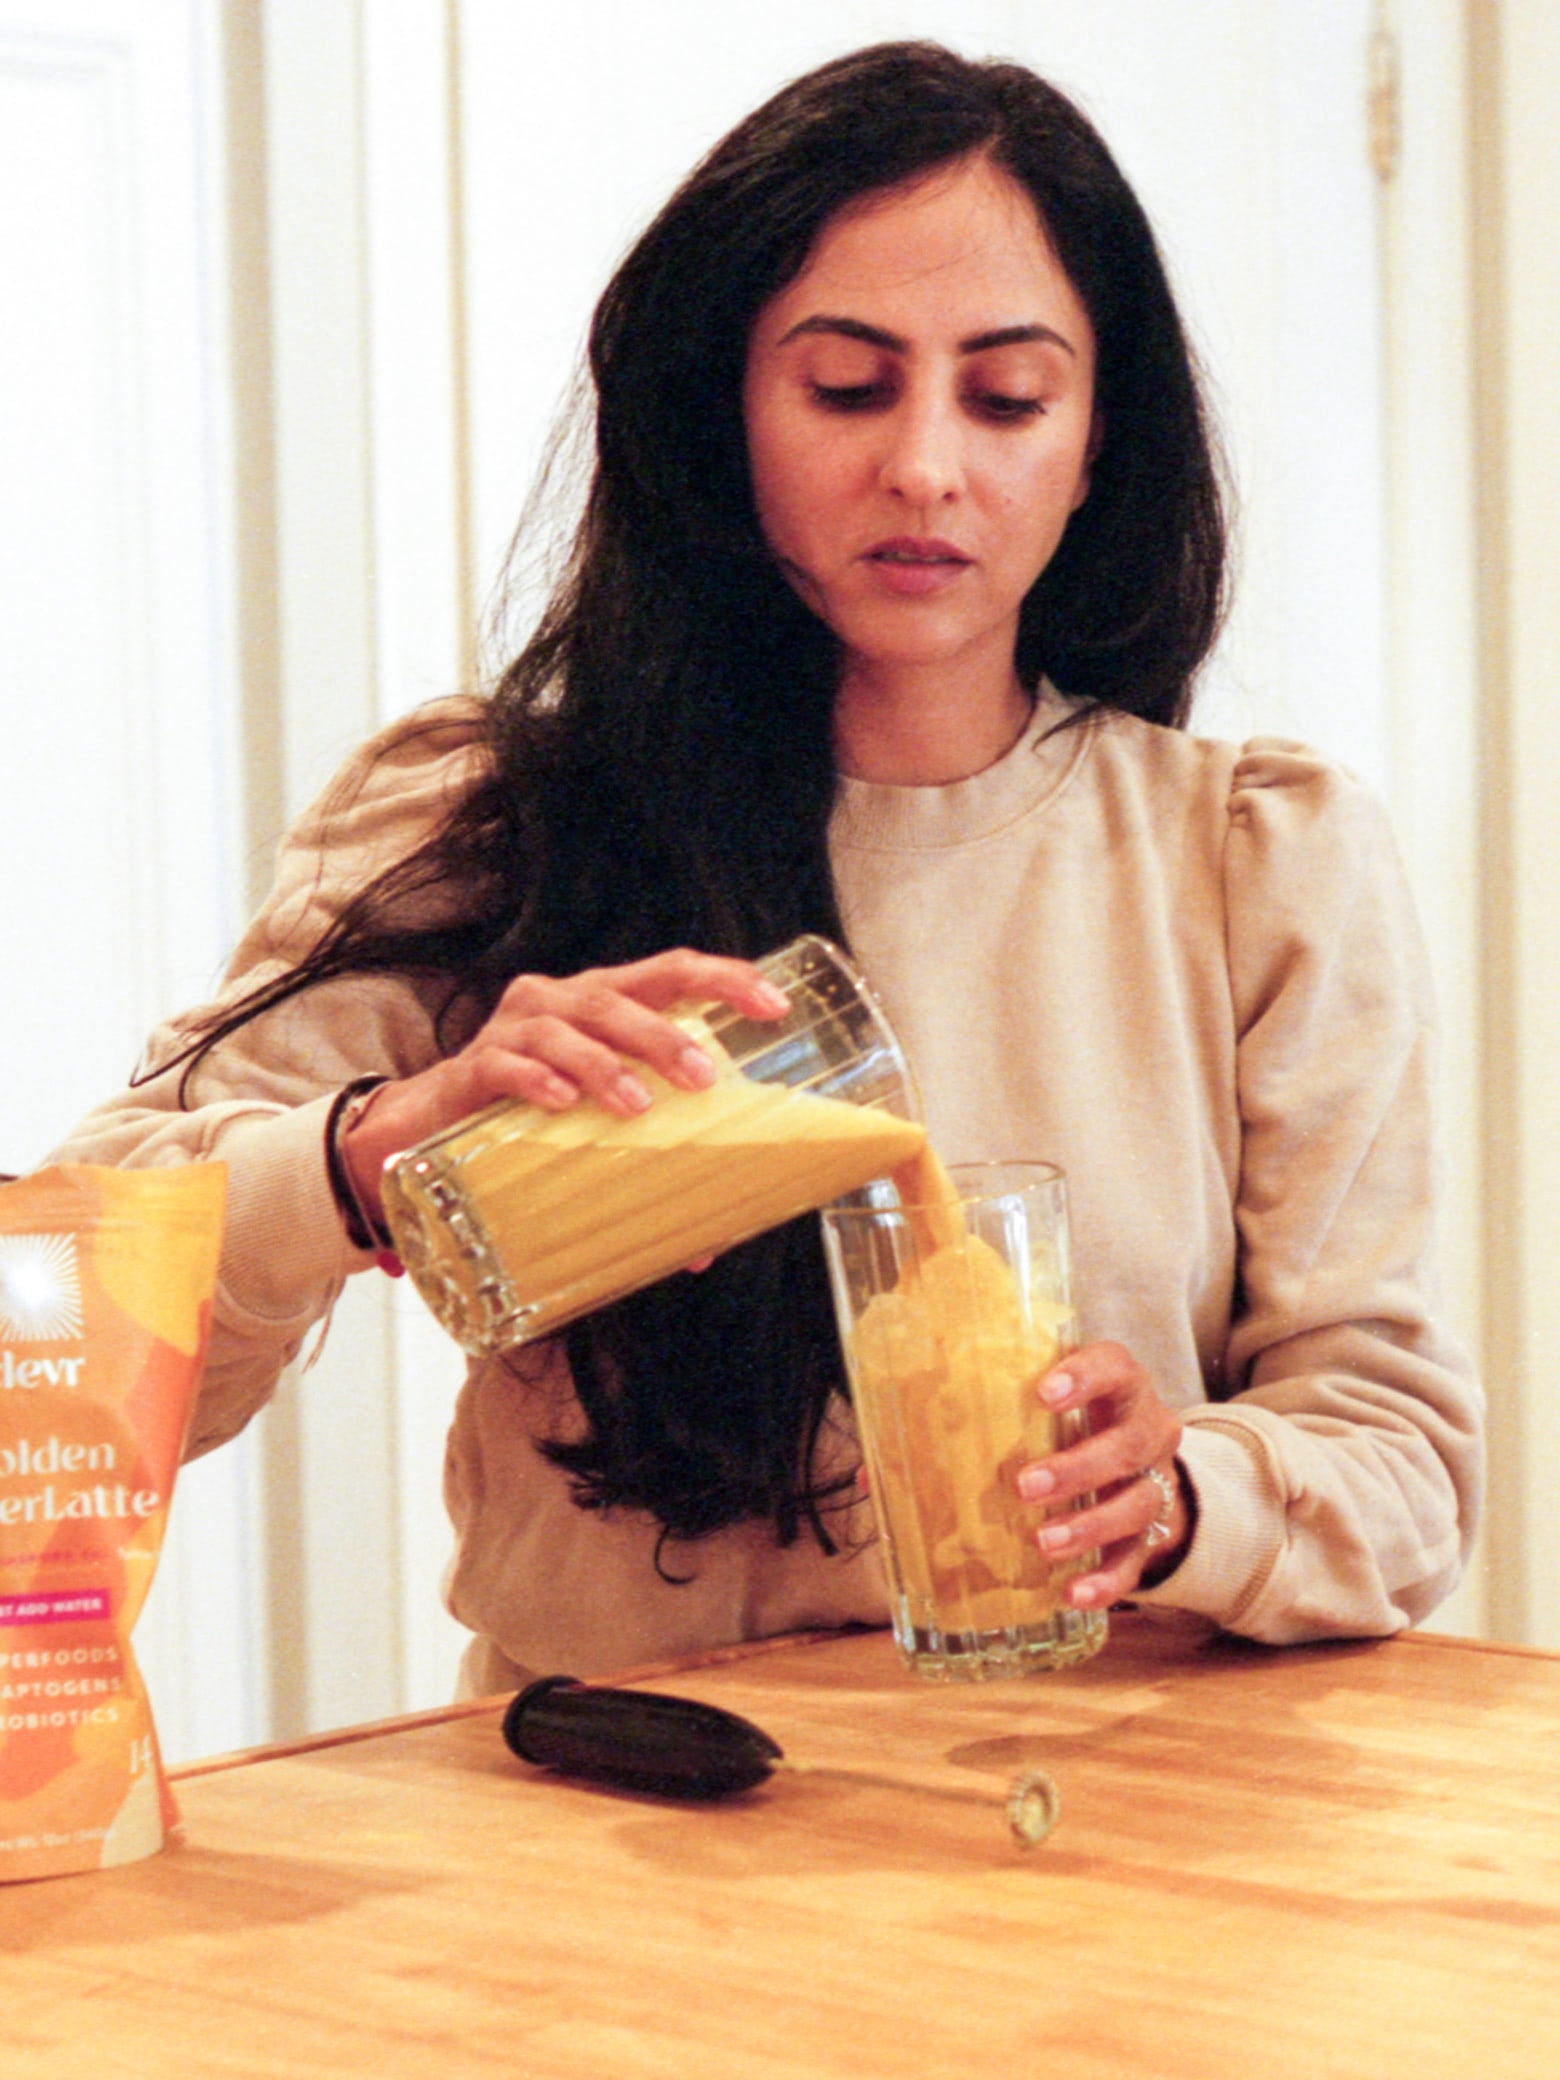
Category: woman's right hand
[552,1041]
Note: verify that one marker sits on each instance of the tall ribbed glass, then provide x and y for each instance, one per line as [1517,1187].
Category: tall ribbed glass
[517,1221]
[950,1309]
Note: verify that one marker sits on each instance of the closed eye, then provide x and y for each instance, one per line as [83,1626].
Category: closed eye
[1007,410]
[849,397]
[994,405]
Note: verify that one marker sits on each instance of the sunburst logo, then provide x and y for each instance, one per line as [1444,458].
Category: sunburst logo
[40,1288]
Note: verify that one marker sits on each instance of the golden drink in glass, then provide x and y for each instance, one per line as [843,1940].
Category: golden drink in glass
[953,1296]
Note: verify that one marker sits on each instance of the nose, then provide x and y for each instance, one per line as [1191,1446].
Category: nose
[923,462]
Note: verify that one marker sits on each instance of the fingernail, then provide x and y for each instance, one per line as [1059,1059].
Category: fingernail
[1054,1537]
[1058,1388]
[1084,1593]
[1035,1483]
[629,1091]
[554,1091]
[771,998]
[695,1069]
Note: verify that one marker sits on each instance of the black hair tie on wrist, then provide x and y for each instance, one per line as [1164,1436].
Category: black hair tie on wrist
[362,1232]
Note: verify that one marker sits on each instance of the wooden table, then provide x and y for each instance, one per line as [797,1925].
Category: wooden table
[1327,1861]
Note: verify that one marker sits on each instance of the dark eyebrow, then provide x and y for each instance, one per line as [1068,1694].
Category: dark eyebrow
[977,343]
[848,328]
[1015,336]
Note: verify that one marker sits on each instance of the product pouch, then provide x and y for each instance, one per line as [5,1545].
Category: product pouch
[106,1279]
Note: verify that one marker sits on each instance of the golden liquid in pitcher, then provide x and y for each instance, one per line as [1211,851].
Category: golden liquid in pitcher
[519,1220]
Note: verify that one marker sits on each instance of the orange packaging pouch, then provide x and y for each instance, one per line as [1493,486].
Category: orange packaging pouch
[106,1280]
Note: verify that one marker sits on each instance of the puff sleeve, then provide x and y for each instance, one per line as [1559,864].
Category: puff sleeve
[258,1103]
[1338,1474]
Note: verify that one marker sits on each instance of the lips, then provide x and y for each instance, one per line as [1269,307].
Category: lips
[912,551]
[915,566]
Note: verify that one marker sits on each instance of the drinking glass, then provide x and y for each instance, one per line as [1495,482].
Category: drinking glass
[516,1221]
[946,1334]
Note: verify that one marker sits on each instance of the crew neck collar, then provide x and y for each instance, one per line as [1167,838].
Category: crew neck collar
[881,818]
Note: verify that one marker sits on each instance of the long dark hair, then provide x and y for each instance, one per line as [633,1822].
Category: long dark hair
[659,758]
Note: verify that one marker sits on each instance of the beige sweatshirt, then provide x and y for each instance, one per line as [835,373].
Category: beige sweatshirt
[1187,972]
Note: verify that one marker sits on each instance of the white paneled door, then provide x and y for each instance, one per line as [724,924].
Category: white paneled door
[122,820]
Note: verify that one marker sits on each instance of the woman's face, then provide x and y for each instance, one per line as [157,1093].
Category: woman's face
[920,418]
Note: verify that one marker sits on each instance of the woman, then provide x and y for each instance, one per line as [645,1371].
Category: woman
[902,550]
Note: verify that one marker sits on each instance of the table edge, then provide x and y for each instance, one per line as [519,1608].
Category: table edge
[475,1707]
[717,1657]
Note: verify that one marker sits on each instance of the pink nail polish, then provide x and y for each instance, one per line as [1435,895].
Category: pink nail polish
[695,1068]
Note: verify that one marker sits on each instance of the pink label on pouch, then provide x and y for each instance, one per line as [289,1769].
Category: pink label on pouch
[55,1609]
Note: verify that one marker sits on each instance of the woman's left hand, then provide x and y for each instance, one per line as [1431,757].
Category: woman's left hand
[1132,1435]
